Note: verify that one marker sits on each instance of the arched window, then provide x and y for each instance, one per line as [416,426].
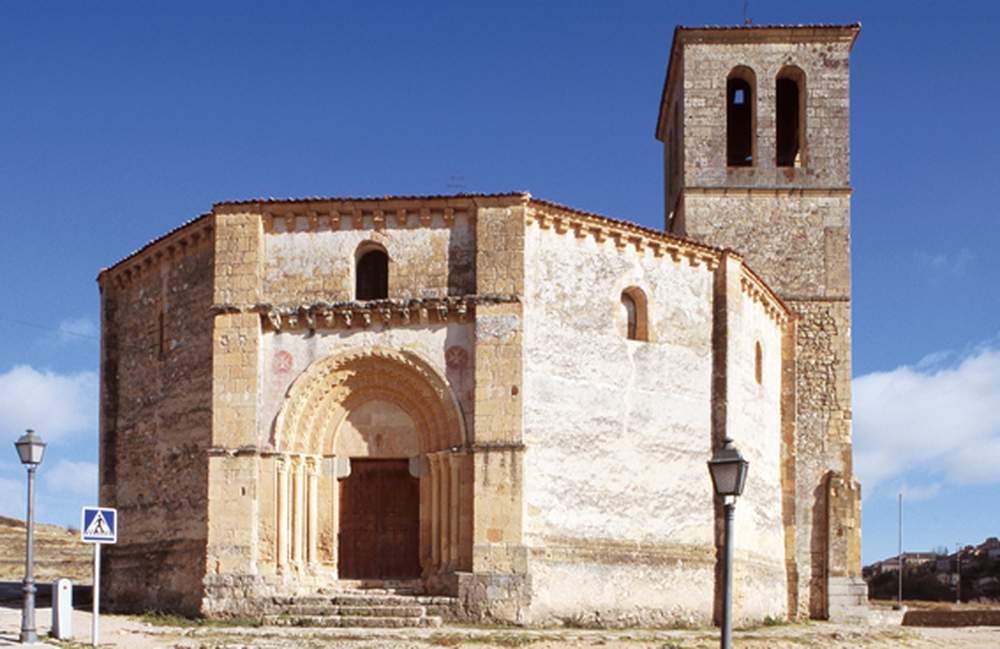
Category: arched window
[633,314]
[758,364]
[740,88]
[372,276]
[628,316]
[789,123]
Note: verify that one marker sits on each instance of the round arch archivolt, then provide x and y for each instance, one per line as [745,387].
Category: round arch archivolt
[325,393]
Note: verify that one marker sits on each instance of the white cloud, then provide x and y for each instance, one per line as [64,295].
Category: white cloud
[948,265]
[911,493]
[54,405]
[12,504]
[72,479]
[932,419]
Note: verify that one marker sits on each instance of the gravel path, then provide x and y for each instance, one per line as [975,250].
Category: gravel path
[128,632]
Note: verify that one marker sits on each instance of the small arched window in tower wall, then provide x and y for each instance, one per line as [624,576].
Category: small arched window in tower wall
[372,276]
[758,364]
[740,117]
[790,110]
[633,314]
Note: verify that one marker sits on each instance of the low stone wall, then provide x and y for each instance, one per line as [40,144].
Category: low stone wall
[494,597]
[878,616]
[984,617]
[848,600]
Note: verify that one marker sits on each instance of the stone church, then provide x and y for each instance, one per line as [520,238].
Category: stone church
[503,400]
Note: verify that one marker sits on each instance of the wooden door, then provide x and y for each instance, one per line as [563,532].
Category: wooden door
[379,521]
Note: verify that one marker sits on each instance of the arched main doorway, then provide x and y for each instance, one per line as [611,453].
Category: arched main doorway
[369,465]
[379,517]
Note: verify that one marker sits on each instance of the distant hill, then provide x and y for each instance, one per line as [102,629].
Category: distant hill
[59,552]
[933,576]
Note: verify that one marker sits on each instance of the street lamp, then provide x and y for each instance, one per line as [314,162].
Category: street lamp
[729,474]
[30,448]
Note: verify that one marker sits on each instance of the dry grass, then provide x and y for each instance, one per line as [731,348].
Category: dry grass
[59,552]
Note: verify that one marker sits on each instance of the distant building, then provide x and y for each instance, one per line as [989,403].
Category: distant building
[909,558]
[505,400]
[990,547]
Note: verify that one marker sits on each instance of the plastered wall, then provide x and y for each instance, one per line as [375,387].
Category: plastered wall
[618,501]
[753,419]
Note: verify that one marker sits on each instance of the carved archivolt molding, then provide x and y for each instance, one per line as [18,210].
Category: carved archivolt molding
[319,399]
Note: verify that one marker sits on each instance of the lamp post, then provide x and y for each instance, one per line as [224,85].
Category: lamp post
[729,474]
[30,448]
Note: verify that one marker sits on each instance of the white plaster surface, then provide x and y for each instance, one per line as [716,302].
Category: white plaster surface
[754,422]
[618,431]
[622,595]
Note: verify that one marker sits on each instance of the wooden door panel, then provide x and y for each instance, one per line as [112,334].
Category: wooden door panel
[357,526]
[379,521]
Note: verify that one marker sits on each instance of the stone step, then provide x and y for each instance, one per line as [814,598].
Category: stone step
[351,621]
[383,611]
[367,599]
[358,608]
[358,599]
[378,587]
[359,611]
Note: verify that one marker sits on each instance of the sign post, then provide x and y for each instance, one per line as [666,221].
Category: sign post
[100,525]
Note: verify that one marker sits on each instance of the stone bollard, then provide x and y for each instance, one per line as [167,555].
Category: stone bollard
[62,609]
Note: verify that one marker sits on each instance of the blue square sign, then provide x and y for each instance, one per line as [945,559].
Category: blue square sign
[100,525]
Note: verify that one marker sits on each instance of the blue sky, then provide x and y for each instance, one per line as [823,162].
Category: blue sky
[121,120]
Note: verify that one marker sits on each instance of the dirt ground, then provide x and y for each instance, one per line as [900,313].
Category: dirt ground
[130,632]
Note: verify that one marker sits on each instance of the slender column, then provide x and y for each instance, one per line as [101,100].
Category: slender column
[454,462]
[298,513]
[334,491]
[445,499]
[435,510]
[312,524]
[282,503]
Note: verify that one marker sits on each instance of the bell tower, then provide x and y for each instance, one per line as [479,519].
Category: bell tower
[755,127]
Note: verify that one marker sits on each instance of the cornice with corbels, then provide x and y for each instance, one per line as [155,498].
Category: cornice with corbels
[623,235]
[754,288]
[367,314]
[361,217]
[167,250]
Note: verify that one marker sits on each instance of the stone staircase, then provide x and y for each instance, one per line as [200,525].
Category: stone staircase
[379,606]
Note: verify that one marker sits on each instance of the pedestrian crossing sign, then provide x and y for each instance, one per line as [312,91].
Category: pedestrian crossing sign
[100,525]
